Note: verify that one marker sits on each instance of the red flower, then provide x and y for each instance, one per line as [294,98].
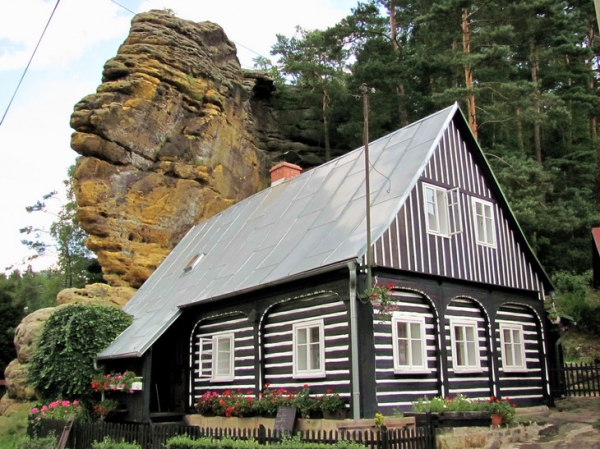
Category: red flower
[305,386]
[329,391]
[389,285]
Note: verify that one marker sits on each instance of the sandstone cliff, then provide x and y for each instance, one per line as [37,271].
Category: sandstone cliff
[175,133]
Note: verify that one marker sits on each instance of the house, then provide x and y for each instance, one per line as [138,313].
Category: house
[271,289]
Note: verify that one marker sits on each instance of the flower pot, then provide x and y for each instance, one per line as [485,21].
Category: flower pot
[339,414]
[497,420]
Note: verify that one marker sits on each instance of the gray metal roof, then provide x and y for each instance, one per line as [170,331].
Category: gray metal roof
[313,221]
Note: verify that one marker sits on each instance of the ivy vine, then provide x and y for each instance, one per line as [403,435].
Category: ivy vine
[62,365]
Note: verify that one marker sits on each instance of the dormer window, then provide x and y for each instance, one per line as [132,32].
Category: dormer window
[193,262]
[442,210]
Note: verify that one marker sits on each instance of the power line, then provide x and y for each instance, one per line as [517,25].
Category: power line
[126,9]
[29,63]
[236,43]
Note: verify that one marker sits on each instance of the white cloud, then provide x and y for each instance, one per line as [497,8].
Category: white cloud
[76,26]
[35,136]
[255,24]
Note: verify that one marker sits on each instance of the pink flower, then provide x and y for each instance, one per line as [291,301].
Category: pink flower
[34,410]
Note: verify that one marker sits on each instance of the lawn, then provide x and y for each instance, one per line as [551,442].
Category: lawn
[13,425]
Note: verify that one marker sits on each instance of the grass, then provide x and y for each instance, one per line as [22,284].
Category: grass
[580,347]
[13,426]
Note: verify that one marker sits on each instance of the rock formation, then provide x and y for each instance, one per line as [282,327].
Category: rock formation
[175,133]
[29,330]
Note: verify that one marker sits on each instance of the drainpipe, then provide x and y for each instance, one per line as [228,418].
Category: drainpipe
[352,267]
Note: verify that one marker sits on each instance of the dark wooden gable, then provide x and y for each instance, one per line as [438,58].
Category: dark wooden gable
[406,244]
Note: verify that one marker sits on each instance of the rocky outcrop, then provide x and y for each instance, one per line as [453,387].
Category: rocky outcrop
[29,330]
[175,133]
[26,336]
[101,294]
[165,143]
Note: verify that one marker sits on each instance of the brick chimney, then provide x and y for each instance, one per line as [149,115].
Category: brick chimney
[284,171]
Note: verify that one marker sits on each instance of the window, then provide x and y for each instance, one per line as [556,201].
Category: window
[408,334]
[309,351]
[483,214]
[513,349]
[216,357]
[442,209]
[465,345]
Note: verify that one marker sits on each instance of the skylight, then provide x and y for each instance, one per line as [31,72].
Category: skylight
[193,262]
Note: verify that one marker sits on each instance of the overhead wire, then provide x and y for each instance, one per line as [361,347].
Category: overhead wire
[29,63]
[236,43]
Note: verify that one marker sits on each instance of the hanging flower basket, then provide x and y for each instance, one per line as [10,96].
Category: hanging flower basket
[382,301]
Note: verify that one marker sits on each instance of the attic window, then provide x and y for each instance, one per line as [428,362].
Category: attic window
[193,262]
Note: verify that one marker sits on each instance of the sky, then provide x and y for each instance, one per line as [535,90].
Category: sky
[35,151]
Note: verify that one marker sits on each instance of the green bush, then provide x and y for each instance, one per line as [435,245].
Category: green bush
[62,365]
[108,443]
[185,442]
[49,442]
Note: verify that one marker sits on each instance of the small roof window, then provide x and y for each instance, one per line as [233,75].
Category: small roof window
[193,262]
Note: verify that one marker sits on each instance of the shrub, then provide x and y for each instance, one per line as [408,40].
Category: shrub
[49,442]
[185,442]
[62,365]
[108,443]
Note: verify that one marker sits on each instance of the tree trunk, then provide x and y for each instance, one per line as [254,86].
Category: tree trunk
[466,41]
[326,124]
[393,25]
[537,132]
[519,126]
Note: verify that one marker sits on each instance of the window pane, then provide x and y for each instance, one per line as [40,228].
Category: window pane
[507,335]
[403,359]
[315,360]
[460,354]
[302,360]
[402,329]
[518,355]
[417,352]
[314,334]
[431,207]
[223,356]
[301,336]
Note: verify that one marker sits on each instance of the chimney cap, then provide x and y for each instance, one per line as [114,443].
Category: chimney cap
[284,171]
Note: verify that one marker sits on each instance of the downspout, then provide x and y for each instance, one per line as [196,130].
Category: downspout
[355,376]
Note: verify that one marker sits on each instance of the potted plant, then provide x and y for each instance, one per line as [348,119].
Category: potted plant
[126,382]
[106,408]
[332,405]
[553,316]
[502,411]
[381,300]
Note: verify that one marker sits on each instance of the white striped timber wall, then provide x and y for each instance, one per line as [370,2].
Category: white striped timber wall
[406,245]
[244,359]
[399,391]
[472,384]
[278,351]
[527,385]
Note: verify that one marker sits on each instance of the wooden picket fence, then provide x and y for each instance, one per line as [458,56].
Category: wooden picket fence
[576,379]
[150,436]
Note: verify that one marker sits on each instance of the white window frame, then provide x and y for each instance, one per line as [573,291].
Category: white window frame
[512,350]
[472,366]
[485,226]
[310,372]
[410,367]
[208,350]
[447,213]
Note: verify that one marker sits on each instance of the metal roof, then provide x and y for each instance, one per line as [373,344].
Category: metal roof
[314,221]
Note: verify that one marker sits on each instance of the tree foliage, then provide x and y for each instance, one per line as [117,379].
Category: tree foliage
[62,365]
[76,263]
[10,315]
[522,71]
